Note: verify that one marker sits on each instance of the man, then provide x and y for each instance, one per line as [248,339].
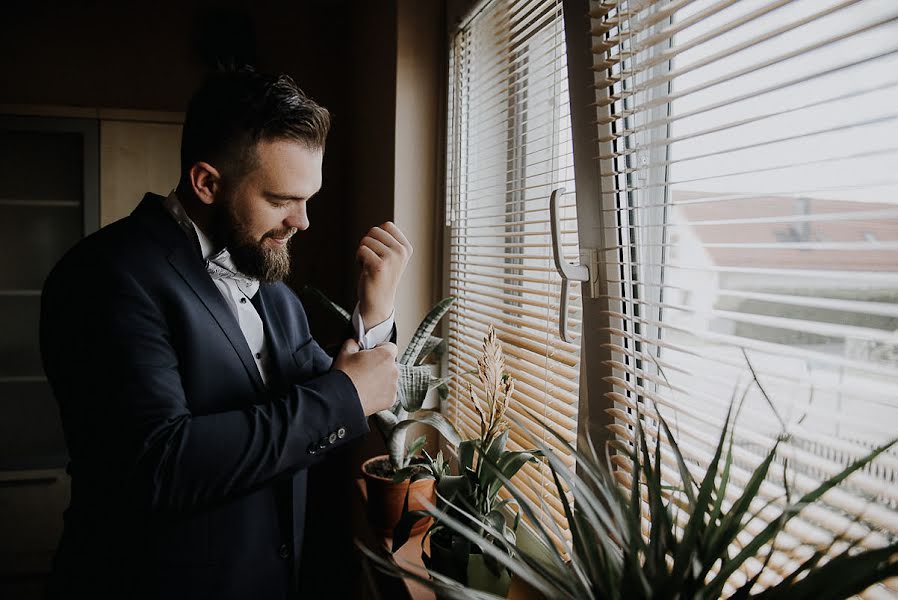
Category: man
[192,394]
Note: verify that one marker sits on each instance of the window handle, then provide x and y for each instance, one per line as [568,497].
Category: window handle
[568,271]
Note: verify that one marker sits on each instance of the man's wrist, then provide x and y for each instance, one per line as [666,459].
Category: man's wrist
[373,317]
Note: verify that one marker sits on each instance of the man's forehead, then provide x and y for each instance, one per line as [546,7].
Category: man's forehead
[288,167]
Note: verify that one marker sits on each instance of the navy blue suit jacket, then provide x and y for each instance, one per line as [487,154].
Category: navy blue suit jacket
[188,473]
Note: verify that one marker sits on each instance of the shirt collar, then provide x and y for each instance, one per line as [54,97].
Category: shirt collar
[219,264]
[173,205]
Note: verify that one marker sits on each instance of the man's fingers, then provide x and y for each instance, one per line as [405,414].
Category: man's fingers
[394,231]
[389,347]
[379,247]
[384,238]
[367,256]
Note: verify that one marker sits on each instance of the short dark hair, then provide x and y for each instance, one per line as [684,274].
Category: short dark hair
[234,110]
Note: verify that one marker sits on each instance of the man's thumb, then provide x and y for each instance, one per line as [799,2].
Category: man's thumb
[351,346]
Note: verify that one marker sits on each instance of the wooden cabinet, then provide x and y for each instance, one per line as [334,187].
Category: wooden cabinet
[61,177]
[136,157]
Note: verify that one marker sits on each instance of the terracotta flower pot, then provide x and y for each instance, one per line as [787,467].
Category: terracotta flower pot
[385,499]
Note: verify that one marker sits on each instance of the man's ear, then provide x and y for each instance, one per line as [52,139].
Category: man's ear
[205,181]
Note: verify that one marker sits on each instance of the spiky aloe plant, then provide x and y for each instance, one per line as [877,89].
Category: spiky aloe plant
[612,557]
[415,381]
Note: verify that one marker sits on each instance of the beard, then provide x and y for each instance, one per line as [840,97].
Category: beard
[251,256]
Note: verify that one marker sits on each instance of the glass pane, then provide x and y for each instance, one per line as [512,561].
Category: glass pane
[38,165]
[19,348]
[32,239]
[30,430]
[783,230]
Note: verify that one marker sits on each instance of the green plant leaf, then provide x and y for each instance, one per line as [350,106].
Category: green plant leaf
[335,309]
[770,531]
[404,473]
[497,446]
[446,587]
[395,444]
[509,464]
[414,383]
[841,577]
[416,445]
[454,486]
[696,528]
[432,344]
[524,570]
[733,522]
[466,453]
[531,512]
[403,528]
[413,352]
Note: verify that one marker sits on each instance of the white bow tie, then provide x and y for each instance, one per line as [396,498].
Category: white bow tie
[220,266]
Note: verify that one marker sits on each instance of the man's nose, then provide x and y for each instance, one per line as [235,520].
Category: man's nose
[298,218]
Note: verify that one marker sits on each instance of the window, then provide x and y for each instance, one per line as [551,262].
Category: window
[749,152]
[509,148]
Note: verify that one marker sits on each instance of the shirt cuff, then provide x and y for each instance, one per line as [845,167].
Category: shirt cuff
[378,334]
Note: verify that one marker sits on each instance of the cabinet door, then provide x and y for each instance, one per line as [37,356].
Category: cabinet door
[48,201]
[135,158]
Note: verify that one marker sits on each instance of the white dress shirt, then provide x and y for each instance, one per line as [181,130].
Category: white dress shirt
[238,289]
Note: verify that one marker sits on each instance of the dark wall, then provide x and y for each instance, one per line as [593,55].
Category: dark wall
[152,56]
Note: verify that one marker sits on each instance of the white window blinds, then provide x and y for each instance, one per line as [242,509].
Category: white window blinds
[750,155]
[509,147]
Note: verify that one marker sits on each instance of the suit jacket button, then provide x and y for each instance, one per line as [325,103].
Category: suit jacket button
[283,551]
[332,438]
[341,433]
[313,449]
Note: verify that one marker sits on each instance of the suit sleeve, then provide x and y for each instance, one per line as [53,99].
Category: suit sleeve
[115,373]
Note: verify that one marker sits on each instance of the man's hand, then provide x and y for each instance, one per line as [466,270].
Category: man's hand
[383,254]
[374,373]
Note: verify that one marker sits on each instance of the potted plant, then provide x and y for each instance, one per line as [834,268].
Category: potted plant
[617,551]
[484,465]
[386,496]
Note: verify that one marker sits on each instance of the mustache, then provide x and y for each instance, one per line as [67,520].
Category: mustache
[282,233]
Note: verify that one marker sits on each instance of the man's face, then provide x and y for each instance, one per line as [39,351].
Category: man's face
[260,212]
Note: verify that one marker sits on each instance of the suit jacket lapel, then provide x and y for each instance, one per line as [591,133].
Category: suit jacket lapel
[190,267]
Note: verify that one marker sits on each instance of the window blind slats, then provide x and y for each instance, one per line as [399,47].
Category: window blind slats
[748,150]
[509,148]
[669,53]
[849,503]
[716,370]
[761,437]
[710,357]
[545,187]
[772,348]
[729,76]
[879,88]
[663,36]
[524,339]
[462,282]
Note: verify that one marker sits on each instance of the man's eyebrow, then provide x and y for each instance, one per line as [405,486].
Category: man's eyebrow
[280,196]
